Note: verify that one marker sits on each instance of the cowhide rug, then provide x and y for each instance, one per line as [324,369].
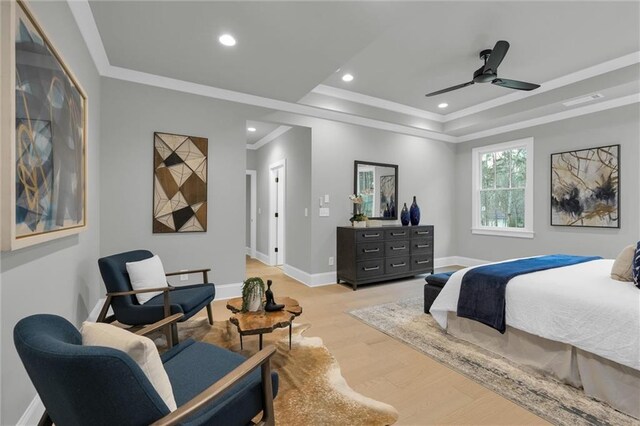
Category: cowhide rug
[312,390]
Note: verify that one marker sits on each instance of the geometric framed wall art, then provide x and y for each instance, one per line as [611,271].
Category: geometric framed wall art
[585,187]
[179,183]
[44,136]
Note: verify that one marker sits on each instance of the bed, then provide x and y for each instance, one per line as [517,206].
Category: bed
[574,322]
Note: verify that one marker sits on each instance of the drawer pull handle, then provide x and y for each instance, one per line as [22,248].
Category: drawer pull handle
[371,269]
[399,248]
[422,262]
[371,235]
[398,265]
[371,250]
[395,234]
[422,232]
[422,245]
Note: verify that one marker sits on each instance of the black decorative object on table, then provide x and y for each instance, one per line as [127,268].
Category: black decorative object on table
[414,213]
[271,305]
[404,215]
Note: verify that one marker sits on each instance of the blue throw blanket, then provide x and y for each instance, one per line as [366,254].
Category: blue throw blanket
[482,292]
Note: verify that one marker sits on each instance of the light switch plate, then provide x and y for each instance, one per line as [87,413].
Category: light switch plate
[324,211]
[326,198]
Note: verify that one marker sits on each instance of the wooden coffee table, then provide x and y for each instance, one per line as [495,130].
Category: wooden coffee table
[261,322]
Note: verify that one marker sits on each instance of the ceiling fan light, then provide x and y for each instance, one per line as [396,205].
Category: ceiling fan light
[443,105]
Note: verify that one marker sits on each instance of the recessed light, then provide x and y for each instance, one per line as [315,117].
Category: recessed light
[227,40]
[347,78]
[251,129]
[443,105]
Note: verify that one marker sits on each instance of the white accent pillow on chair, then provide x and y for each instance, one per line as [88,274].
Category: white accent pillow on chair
[147,273]
[141,349]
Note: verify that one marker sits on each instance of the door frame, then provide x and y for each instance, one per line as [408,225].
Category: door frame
[273,260]
[253,211]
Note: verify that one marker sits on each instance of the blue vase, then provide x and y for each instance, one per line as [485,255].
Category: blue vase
[414,213]
[404,215]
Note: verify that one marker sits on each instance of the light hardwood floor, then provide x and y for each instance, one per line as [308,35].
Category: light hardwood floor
[424,391]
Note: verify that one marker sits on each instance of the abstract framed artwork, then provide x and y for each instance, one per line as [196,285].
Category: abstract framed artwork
[585,187]
[179,183]
[44,136]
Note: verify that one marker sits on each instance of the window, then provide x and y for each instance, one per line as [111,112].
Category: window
[503,189]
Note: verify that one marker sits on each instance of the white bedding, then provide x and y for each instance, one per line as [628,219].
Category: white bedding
[579,304]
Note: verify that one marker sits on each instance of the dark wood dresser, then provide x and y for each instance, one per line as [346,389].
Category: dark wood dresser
[369,255]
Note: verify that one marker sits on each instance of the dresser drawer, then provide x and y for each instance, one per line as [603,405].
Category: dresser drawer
[369,250]
[422,262]
[397,234]
[398,265]
[422,245]
[397,248]
[422,232]
[369,235]
[370,268]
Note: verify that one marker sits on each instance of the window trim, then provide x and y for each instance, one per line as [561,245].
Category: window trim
[476,178]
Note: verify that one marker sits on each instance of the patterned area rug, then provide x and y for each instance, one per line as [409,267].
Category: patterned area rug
[550,399]
[312,390]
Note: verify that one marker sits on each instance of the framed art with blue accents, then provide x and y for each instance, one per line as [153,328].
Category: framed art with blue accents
[44,134]
[585,187]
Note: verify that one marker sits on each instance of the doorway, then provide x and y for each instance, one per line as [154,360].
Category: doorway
[277,194]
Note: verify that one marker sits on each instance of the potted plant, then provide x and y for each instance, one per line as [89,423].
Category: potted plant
[358,220]
[252,294]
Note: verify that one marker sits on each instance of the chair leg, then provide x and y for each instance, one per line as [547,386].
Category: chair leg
[174,333]
[210,313]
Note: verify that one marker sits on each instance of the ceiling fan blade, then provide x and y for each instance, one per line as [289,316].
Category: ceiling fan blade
[497,55]
[449,89]
[514,84]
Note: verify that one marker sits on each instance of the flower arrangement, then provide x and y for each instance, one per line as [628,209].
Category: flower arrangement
[357,202]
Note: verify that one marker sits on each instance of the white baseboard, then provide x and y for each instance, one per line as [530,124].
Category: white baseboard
[250,252]
[33,413]
[442,262]
[310,280]
[228,291]
[262,258]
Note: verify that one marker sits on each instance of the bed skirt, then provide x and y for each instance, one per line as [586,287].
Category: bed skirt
[614,383]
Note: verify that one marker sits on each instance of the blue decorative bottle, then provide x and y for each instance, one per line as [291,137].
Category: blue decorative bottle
[414,213]
[404,215]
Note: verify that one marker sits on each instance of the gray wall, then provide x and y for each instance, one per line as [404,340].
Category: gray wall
[131,113]
[60,276]
[295,147]
[426,170]
[616,126]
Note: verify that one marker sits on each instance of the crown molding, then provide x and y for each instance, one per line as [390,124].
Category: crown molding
[273,135]
[359,98]
[563,115]
[593,71]
[88,28]
[596,70]
[83,16]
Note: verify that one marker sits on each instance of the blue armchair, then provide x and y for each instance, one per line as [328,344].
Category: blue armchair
[186,300]
[94,385]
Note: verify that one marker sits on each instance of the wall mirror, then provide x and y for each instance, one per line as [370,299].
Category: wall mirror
[377,183]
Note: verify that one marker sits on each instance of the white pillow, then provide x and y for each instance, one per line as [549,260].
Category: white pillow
[147,273]
[141,349]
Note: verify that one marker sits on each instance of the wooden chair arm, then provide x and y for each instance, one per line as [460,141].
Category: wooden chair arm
[160,324]
[261,359]
[146,290]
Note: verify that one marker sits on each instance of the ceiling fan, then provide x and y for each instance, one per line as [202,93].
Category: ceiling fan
[489,72]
